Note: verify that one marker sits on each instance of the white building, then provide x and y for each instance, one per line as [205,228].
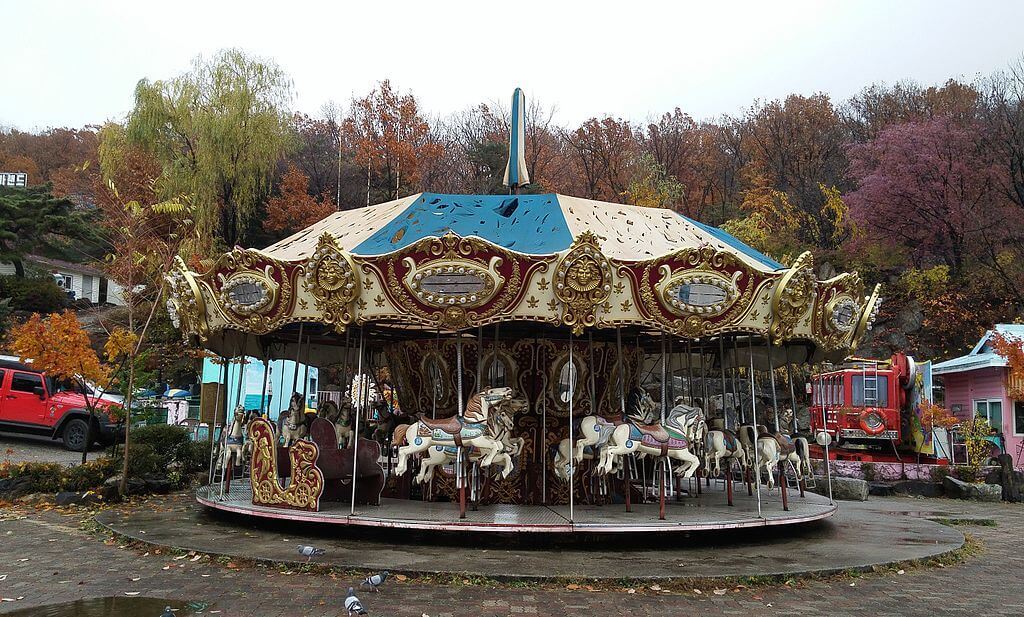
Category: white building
[86,281]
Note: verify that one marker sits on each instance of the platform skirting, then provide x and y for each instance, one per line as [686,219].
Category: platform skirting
[705,512]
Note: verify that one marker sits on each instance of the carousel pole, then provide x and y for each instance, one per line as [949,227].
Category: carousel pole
[222,377]
[494,359]
[736,358]
[775,406]
[689,372]
[662,467]
[230,471]
[792,396]
[572,441]
[627,472]
[753,412]
[542,362]
[479,359]
[592,387]
[820,393]
[721,366]
[344,368]
[266,380]
[775,399]
[704,403]
[363,387]
[460,472]
[295,376]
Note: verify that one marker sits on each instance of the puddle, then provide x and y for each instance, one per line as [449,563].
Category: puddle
[114,606]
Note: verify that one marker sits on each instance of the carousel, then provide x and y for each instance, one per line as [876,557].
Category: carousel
[521,363]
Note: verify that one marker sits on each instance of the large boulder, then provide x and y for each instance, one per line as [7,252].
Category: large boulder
[881,489]
[919,488]
[958,489]
[157,483]
[12,489]
[77,498]
[847,489]
[136,486]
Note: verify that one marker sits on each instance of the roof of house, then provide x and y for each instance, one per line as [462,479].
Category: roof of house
[982,355]
[59,264]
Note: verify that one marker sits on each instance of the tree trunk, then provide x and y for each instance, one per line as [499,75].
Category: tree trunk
[123,489]
[19,268]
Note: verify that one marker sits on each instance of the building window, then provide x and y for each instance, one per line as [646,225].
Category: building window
[991,410]
[64,281]
[1018,418]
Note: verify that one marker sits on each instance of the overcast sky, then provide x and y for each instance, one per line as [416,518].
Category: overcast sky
[77,62]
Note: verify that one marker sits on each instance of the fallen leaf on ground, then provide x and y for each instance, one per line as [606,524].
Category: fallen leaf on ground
[131,593]
[697,591]
[402,577]
[655,587]
[720,592]
[901,571]
[631,590]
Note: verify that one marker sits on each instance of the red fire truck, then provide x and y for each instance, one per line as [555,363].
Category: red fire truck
[865,402]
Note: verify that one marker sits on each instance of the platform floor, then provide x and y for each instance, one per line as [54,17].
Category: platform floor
[706,511]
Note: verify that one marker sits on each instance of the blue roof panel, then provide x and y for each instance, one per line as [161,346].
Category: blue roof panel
[737,244]
[531,224]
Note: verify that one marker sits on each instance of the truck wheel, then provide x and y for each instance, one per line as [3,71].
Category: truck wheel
[75,435]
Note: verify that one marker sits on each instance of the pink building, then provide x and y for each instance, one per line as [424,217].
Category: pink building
[977,384]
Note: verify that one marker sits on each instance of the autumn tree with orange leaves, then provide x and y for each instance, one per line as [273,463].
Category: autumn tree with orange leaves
[295,208]
[392,140]
[58,346]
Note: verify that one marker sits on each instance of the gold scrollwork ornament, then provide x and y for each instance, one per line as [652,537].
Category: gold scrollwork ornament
[793,295]
[330,278]
[582,282]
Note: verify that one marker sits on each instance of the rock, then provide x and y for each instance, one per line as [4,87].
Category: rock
[75,498]
[1011,479]
[959,489]
[881,489]
[136,486]
[847,489]
[157,483]
[36,499]
[14,488]
[919,488]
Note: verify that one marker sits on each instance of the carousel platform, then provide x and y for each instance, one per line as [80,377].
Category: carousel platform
[707,511]
[861,536]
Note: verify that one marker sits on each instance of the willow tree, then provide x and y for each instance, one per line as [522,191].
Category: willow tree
[218,132]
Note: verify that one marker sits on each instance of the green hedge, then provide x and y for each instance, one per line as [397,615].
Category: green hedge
[54,477]
[156,447]
[38,294]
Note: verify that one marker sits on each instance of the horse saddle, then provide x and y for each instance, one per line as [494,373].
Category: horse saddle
[451,425]
[730,441]
[655,432]
[786,445]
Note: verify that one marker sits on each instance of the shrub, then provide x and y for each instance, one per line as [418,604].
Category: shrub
[89,475]
[156,448]
[35,294]
[43,477]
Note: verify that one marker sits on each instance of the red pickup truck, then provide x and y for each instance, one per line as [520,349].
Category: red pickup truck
[31,402]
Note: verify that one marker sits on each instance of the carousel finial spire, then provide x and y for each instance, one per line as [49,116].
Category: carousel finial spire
[516,174]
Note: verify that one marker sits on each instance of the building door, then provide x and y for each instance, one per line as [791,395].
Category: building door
[103,291]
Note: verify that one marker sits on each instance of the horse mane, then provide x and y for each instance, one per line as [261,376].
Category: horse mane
[398,437]
[474,407]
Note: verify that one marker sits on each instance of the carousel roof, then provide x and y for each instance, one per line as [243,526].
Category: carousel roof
[530,224]
[457,262]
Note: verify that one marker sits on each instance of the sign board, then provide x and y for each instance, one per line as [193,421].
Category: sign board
[19,179]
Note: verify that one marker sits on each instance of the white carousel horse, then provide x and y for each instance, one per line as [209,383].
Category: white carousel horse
[774,449]
[469,430]
[644,435]
[500,422]
[719,444]
[295,427]
[340,416]
[234,440]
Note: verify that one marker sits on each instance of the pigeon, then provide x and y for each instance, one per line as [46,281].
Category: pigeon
[310,552]
[376,580]
[167,612]
[353,605]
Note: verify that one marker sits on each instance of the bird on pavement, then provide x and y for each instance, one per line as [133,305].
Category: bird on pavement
[376,580]
[167,612]
[310,552]
[353,605]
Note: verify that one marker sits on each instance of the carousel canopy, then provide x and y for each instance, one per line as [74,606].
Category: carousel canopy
[456,262]
[529,224]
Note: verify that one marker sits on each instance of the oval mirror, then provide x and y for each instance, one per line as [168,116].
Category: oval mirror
[247,294]
[701,294]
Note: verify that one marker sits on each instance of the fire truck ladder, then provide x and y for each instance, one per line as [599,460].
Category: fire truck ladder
[870,384]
